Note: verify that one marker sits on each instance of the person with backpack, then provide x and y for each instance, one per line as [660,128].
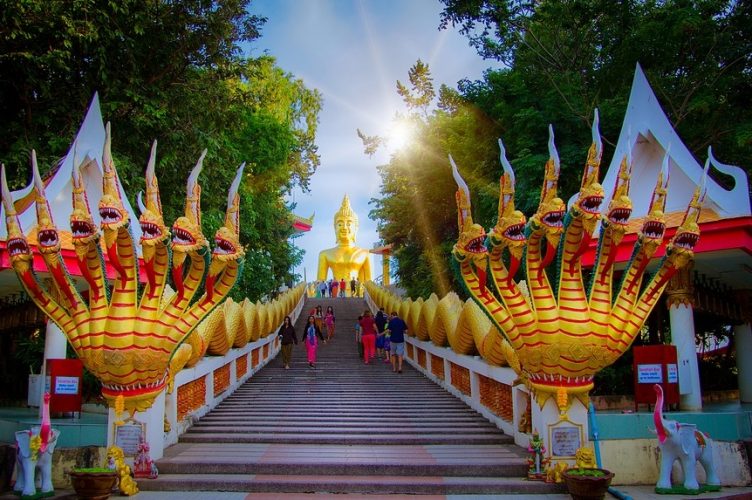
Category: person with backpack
[397,328]
[380,321]
[288,338]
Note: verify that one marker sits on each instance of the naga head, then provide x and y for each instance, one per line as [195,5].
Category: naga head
[589,200]
[509,231]
[652,230]
[82,224]
[111,209]
[471,241]
[48,238]
[186,231]
[681,247]
[153,229]
[18,248]
[227,245]
[620,208]
[551,210]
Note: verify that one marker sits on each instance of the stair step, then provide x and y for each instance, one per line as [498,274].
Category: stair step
[349,439]
[394,429]
[344,419]
[377,460]
[338,484]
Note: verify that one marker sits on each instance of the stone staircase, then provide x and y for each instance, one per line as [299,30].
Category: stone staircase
[343,427]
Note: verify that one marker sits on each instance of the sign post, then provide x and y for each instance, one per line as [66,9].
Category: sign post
[64,383]
[655,364]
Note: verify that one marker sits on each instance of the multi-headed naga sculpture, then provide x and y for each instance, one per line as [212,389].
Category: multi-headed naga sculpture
[557,331]
[126,341]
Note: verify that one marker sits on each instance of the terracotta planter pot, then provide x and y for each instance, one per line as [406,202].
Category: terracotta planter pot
[93,485]
[583,487]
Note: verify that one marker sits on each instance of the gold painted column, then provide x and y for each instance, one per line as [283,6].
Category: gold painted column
[386,252]
[385,271]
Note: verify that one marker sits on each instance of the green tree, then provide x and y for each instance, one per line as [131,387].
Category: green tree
[576,55]
[171,71]
[562,59]
[416,211]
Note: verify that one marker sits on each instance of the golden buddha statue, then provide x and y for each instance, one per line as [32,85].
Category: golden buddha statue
[345,260]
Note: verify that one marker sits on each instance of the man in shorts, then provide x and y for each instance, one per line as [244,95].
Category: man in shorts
[397,329]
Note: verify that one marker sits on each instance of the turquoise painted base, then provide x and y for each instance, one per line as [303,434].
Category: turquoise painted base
[681,490]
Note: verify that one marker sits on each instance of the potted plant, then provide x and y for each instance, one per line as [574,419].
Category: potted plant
[93,483]
[586,483]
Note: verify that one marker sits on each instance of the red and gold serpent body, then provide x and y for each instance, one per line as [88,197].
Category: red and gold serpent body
[127,342]
[558,338]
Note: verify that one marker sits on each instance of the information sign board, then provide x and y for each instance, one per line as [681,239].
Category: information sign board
[127,437]
[66,385]
[649,374]
[565,440]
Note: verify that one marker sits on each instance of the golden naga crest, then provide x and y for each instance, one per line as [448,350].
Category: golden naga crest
[555,331]
[125,340]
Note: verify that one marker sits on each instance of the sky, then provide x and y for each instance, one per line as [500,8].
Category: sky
[353,52]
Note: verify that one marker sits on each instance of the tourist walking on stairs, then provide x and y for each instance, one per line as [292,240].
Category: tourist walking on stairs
[380,319]
[329,321]
[397,329]
[368,334]
[312,334]
[288,337]
[358,340]
[318,315]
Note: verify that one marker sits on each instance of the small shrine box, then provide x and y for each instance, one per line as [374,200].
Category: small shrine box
[655,364]
[64,383]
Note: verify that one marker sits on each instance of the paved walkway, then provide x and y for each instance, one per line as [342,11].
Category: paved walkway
[636,492]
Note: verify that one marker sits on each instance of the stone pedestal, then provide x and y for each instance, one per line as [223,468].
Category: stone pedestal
[557,432]
[153,418]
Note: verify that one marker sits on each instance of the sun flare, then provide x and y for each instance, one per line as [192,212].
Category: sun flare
[399,135]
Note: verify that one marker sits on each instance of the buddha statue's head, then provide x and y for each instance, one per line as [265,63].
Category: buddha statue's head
[345,224]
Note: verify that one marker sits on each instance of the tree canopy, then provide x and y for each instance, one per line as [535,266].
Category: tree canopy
[171,71]
[562,59]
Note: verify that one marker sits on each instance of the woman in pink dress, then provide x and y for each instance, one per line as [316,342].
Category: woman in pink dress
[368,336]
[311,336]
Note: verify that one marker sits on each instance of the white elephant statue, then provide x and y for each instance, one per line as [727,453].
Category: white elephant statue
[34,448]
[683,442]
[27,462]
